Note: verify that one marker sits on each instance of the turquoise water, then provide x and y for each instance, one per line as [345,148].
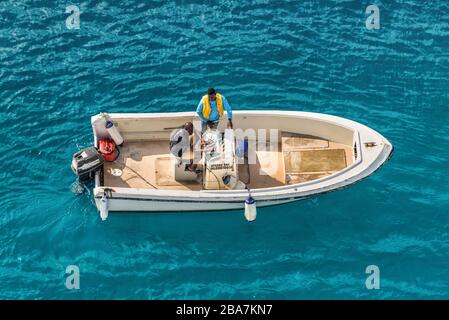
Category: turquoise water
[158,56]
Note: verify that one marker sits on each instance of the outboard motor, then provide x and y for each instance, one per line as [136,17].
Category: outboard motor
[86,162]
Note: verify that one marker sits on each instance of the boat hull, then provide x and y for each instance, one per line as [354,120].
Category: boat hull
[371,151]
[148,205]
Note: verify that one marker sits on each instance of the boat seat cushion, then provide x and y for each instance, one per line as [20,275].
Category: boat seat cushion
[319,160]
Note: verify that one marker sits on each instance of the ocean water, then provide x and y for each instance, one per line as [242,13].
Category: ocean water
[159,56]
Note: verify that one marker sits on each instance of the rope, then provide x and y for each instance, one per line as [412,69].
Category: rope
[135,172]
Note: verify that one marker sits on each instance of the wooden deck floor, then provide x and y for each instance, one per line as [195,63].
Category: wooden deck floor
[141,164]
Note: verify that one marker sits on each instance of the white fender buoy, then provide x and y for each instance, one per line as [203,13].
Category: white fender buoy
[250,209]
[104,208]
[114,133]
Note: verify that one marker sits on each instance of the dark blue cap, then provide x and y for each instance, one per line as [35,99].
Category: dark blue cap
[226,179]
[250,200]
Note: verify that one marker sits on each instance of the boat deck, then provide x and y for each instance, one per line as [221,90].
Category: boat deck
[299,158]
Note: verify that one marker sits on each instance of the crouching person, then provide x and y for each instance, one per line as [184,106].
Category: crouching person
[180,146]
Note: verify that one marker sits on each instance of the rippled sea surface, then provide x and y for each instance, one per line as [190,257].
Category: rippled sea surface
[160,56]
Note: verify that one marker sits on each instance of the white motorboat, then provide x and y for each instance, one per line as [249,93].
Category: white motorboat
[277,156]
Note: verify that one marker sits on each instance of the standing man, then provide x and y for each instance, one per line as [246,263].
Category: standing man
[211,108]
